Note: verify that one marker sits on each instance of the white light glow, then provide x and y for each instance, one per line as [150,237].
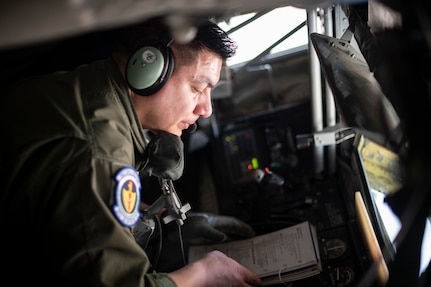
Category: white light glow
[256,37]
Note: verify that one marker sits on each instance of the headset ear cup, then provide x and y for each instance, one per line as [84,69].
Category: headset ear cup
[149,68]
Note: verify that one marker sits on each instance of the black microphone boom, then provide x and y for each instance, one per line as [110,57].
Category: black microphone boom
[192,128]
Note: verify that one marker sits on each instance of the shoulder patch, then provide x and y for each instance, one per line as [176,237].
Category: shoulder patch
[127,196]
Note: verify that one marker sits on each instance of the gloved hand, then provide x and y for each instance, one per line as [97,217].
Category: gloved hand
[207,228]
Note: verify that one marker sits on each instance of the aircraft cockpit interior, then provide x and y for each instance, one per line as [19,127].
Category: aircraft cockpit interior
[322,116]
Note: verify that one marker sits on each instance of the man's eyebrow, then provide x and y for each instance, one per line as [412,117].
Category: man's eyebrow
[204,80]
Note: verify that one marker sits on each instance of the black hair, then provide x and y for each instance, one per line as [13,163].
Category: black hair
[211,36]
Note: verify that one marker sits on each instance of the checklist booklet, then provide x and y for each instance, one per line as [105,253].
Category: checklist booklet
[285,255]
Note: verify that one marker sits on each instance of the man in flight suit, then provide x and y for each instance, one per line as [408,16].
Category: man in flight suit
[73,146]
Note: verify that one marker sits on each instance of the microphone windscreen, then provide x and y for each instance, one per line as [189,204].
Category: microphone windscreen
[192,128]
[165,156]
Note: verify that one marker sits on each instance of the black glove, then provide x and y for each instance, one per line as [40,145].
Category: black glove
[207,228]
[165,156]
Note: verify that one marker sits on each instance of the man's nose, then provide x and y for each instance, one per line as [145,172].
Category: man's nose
[204,107]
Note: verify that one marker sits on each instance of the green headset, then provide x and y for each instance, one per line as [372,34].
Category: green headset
[149,68]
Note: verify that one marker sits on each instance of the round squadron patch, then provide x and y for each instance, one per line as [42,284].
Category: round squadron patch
[127,196]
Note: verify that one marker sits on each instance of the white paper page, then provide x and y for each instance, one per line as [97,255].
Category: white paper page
[287,249]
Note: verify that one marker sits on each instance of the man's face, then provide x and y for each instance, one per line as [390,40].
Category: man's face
[185,97]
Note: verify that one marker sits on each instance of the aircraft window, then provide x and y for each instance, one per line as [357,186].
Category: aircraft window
[258,35]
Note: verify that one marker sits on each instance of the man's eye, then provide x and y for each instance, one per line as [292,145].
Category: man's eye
[196,90]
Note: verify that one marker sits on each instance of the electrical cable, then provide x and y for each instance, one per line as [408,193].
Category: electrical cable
[148,240]
[159,251]
[180,237]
